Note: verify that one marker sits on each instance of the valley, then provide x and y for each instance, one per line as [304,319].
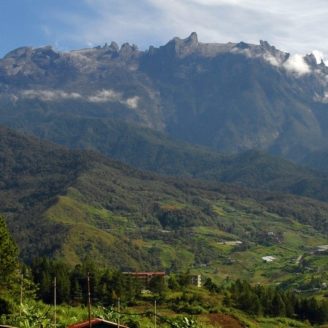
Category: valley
[146,221]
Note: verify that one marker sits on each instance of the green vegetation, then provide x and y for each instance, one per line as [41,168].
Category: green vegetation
[274,302]
[78,206]
[8,268]
[178,303]
[8,253]
[83,205]
[261,244]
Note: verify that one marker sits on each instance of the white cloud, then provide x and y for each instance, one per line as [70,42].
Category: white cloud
[323,98]
[132,102]
[110,95]
[294,26]
[50,95]
[271,60]
[103,96]
[320,57]
[297,64]
[100,96]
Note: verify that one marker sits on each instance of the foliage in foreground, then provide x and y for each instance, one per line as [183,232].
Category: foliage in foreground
[37,314]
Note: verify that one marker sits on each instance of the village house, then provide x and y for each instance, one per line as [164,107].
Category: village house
[98,323]
[145,277]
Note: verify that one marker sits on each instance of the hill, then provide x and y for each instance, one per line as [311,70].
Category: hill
[76,205]
[317,160]
[149,150]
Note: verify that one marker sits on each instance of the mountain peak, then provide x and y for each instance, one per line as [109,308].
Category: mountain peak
[192,38]
[19,52]
[183,47]
[242,45]
[113,45]
[127,50]
[267,46]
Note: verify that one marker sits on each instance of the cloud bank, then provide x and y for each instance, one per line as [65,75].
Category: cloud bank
[105,96]
[297,64]
[100,96]
[320,57]
[50,95]
[110,95]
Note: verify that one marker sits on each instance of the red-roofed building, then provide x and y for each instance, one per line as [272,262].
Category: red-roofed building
[145,277]
[98,323]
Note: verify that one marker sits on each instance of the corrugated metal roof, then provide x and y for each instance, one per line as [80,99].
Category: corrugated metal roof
[97,322]
[158,273]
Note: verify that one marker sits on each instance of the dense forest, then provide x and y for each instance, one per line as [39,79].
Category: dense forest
[110,286]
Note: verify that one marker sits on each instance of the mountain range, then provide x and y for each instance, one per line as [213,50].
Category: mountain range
[228,97]
[163,157]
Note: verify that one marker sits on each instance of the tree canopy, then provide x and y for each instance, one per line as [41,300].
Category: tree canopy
[8,252]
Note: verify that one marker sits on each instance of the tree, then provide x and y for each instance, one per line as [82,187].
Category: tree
[173,283]
[249,302]
[8,253]
[8,268]
[44,271]
[323,312]
[278,305]
[157,285]
[211,286]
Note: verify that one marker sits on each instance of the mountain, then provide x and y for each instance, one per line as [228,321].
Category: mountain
[317,160]
[32,175]
[229,97]
[77,204]
[149,150]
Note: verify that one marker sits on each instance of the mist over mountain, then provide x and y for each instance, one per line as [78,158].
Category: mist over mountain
[229,97]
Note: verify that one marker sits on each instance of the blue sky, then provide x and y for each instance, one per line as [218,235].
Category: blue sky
[296,26]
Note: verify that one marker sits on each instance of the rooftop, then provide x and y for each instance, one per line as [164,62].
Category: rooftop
[97,322]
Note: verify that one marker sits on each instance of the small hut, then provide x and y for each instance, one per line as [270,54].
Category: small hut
[97,323]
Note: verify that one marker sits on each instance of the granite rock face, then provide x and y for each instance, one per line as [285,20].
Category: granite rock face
[230,97]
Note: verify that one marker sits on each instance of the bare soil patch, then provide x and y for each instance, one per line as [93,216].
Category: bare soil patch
[223,320]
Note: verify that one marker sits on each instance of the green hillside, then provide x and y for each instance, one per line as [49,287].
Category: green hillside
[76,205]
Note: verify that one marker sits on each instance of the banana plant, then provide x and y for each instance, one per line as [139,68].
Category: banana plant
[32,315]
[184,322]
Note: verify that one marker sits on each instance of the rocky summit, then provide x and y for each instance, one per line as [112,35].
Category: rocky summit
[229,97]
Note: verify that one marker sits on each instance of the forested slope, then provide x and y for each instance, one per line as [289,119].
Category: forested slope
[75,205]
